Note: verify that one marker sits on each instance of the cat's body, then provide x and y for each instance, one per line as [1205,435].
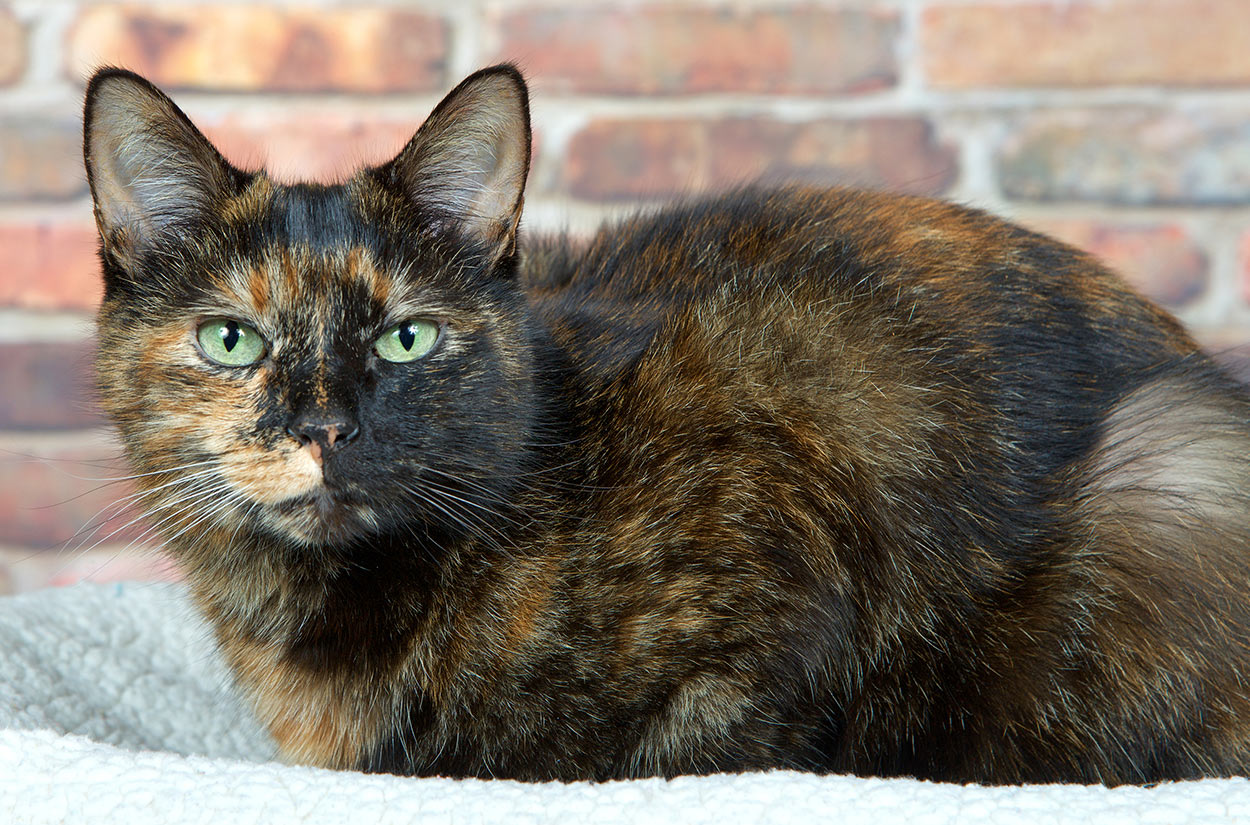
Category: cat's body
[825,480]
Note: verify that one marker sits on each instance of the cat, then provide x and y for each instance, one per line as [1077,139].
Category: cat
[817,479]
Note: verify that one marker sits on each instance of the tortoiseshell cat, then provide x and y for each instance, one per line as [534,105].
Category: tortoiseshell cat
[814,479]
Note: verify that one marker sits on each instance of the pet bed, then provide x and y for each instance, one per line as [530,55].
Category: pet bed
[115,708]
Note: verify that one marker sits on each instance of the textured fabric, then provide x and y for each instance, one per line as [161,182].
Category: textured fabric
[114,708]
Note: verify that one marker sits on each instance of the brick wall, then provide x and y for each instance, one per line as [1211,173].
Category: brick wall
[1122,126]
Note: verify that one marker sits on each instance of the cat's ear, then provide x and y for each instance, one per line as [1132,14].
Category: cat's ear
[150,170]
[468,162]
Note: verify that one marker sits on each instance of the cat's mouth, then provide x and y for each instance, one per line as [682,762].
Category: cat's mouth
[324,516]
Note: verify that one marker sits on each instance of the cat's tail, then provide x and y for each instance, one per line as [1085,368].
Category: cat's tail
[1164,506]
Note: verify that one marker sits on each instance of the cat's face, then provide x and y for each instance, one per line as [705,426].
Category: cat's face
[314,363]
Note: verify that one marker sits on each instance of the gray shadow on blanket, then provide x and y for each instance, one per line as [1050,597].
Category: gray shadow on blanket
[126,664]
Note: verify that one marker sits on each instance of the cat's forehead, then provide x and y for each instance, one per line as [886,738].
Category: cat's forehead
[306,248]
[301,214]
[285,279]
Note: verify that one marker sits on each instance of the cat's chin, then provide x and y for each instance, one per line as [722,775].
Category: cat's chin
[320,518]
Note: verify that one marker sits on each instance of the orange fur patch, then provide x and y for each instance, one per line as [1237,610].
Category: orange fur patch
[316,720]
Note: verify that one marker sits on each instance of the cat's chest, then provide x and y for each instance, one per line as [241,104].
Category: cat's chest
[328,694]
[314,718]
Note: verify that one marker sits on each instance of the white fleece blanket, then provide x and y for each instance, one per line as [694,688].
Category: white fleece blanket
[114,708]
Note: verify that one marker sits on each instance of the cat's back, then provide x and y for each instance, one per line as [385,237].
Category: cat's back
[858,313]
[893,401]
[940,262]
[925,292]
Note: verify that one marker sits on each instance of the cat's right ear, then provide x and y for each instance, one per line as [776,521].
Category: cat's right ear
[150,170]
[467,164]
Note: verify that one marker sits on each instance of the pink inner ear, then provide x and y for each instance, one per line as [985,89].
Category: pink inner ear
[149,167]
[471,157]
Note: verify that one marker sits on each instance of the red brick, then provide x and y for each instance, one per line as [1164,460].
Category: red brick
[47,386]
[1129,156]
[259,48]
[54,497]
[1087,43]
[49,266]
[628,159]
[1161,260]
[324,146]
[41,159]
[610,160]
[674,49]
[12,47]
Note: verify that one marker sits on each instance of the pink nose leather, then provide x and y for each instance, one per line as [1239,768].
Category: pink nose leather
[320,436]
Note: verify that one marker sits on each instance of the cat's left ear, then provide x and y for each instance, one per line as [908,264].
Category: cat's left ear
[468,162]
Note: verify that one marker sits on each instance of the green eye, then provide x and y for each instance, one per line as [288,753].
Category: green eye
[230,343]
[407,341]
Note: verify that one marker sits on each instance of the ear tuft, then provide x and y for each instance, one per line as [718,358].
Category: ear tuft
[468,162]
[150,170]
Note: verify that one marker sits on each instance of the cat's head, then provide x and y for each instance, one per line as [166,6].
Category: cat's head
[314,362]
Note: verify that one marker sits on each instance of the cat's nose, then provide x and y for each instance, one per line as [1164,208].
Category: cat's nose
[321,433]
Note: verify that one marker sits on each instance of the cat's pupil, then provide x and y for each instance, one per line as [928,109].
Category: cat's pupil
[407,336]
[229,335]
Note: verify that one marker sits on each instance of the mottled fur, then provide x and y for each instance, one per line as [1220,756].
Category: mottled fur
[815,479]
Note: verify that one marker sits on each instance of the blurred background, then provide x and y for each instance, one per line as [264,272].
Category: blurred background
[1122,126]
